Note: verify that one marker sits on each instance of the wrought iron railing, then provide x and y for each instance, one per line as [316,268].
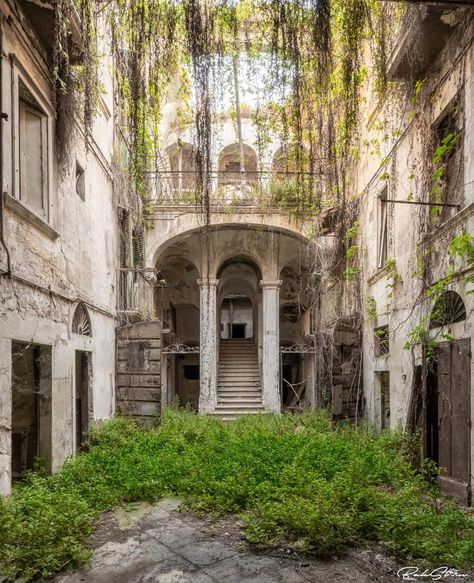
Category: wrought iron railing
[250,188]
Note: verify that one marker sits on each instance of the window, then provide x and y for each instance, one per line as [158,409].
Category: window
[448,309]
[33,142]
[382,341]
[382,221]
[80,181]
[448,171]
[81,323]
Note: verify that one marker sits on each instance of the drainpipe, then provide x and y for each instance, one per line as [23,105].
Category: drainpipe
[3,118]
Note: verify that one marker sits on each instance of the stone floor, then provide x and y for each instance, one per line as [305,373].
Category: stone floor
[147,543]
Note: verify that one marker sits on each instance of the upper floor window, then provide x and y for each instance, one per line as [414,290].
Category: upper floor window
[33,146]
[382,341]
[448,170]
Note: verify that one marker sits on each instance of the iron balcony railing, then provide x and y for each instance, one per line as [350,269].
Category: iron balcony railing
[248,188]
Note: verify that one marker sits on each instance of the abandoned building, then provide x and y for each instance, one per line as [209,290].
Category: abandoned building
[237,312]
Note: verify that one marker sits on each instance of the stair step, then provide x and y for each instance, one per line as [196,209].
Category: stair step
[252,407]
[250,403]
[239,391]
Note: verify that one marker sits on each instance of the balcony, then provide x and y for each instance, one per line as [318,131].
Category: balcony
[424,32]
[40,15]
[251,189]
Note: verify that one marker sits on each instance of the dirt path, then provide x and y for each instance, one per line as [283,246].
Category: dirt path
[156,544]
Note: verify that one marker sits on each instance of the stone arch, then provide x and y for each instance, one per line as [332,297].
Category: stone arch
[247,258]
[229,165]
[81,322]
[285,160]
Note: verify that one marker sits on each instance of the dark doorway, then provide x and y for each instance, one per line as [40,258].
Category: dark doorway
[82,397]
[449,407]
[238,330]
[31,408]
[385,399]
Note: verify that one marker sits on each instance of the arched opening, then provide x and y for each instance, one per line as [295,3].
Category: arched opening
[296,340]
[182,163]
[448,309]
[177,305]
[230,175]
[81,322]
[239,279]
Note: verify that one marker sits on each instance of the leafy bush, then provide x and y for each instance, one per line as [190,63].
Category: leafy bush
[294,479]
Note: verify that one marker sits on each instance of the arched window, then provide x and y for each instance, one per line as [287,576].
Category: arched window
[448,309]
[81,322]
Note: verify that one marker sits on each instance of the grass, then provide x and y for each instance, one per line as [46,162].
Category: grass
[293,479]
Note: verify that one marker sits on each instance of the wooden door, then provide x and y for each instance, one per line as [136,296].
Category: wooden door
[454,418]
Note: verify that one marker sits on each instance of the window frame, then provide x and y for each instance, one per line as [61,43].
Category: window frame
[24,106]
[382,342]
[21,80]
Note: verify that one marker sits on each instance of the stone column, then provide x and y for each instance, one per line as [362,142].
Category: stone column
[271,346]
[208,345]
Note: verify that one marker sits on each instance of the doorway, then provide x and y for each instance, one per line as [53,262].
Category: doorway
[449,423]
[31,408]
[82,399]
[238,331]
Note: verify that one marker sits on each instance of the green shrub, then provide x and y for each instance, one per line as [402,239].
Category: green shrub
[293,479]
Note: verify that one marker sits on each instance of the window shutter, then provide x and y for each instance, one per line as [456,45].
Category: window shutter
[138,241]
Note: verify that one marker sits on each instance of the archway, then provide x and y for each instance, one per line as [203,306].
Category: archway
[233,179]
[296,335]
[239,279]
[177,306]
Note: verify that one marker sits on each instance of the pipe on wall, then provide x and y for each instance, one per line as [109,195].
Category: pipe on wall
[3,118]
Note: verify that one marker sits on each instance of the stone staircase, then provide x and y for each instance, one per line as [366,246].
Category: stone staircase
[238,383]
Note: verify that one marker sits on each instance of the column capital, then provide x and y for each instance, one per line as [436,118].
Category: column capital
[271,284]
[203,283]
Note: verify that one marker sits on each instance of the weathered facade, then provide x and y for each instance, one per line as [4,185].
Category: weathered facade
[418,302]
[237,308]
[58,259]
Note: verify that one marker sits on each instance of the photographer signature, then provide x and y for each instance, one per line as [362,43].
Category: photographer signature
[414,573]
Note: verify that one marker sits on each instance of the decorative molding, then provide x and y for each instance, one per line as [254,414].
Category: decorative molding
[271,284]
[181,349]
[210,282]
[305,348]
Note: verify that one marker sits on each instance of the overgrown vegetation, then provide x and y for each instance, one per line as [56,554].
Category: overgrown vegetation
[292,478]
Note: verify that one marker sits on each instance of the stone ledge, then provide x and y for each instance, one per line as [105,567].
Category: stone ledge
[25,213]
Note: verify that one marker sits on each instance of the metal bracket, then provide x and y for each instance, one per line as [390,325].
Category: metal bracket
[441,204]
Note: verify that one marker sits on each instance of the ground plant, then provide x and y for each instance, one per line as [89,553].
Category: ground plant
[293,479]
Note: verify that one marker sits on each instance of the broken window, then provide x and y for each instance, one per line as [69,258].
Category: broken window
[448,171]
[33,142]
[382,341]
[382,238]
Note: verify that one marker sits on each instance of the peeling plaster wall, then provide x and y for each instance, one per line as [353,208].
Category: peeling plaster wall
[58,260]
[396,129]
